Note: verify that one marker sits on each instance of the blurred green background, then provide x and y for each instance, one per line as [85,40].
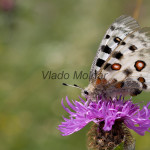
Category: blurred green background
[56,35]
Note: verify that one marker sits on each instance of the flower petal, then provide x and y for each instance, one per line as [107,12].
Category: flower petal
[105,110]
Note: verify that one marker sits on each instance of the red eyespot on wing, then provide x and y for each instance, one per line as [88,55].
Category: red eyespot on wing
[139,65]
[141,79]
[98,81]
[119,85]
[101,81]
[116,66]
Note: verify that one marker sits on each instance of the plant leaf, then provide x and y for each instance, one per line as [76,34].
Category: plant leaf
[120,146]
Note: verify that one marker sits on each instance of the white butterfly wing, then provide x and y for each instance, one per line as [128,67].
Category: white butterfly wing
[124,55]
[134,58]
[123,26]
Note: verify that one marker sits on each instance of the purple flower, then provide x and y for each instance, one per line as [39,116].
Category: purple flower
[106,111]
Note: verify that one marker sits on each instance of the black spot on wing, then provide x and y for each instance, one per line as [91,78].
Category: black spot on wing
[107,65]
[95,73]
[106,49]
[117,40]
[112,28]
[107,36]
[123,43]
[100,62]
[142,80]
[127,72]
[144,86]
[117,55]
[136,92]
[132,48]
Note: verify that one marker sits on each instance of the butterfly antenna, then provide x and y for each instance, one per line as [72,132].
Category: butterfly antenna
[76,86]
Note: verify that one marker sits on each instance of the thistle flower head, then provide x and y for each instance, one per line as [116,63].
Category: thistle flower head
[107,111]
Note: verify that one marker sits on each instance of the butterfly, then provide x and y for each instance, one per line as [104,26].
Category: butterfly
[122,63]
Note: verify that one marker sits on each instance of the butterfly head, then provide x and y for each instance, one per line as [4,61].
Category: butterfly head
[88,91]
[85,93]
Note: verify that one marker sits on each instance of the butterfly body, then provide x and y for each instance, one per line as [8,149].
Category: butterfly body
[107,90]
[122,63]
